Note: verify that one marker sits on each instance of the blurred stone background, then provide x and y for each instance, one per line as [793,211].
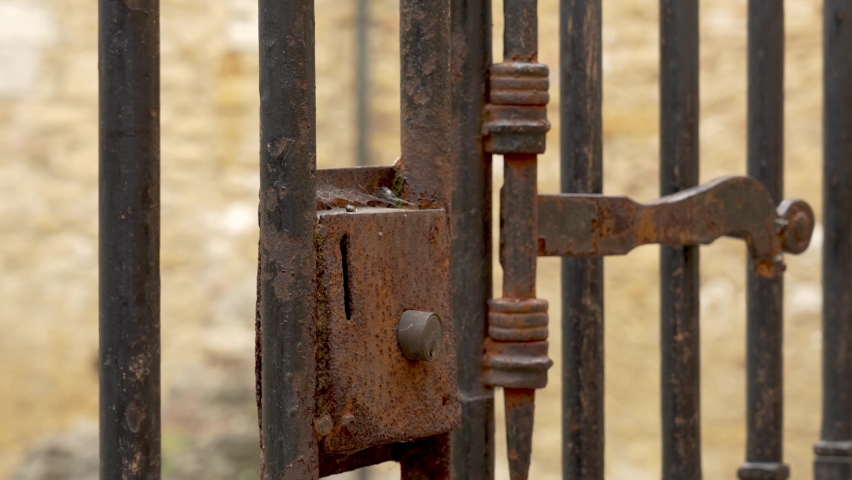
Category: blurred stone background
[48,229]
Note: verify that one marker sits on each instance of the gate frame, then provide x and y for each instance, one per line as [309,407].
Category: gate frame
[129,356]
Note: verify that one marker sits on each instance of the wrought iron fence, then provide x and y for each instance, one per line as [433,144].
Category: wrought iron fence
[322,229]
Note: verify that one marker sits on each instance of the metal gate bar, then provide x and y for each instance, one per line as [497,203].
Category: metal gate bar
[765,317]
[834,450]
[362,83]
[679,280]
[470,248]
[129,239]
[287,258]
[581,129]
[424,37]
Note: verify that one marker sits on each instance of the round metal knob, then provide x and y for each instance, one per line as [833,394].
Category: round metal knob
[798,219]
[420,335]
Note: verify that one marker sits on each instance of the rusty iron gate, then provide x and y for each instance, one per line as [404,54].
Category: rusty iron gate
[378,336]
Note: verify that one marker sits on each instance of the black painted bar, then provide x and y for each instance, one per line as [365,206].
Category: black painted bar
[581,128]
[765,361]
[129,239]
[679,299]
[834,450]
[287,212]
[470,217]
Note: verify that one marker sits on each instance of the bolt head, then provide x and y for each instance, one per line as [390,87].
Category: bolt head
[348,421]
[323,425]
[799,225]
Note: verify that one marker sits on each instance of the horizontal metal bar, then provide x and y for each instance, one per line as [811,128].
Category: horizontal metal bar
[587,225]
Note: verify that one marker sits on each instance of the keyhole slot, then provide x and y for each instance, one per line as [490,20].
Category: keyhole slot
[344,259]
[433,349]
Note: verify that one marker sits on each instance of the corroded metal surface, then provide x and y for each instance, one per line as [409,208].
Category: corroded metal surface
[425,107]
[516,356]
[373,265]
[797,221]
[470,230]
[359,187]
[421,459]
[515,125]
[516,117]
[516,350]
[286,212]
[377,257]
[520,412]
[596,225]
[334,463]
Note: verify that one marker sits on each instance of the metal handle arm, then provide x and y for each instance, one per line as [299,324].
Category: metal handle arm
[580,225]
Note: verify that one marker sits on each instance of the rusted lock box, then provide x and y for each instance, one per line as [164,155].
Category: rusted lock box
[373,265]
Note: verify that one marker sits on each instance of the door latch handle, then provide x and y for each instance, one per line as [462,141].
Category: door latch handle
[577,225]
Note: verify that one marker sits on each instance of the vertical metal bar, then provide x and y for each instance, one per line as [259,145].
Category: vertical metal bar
[425,107]
[834,450]
[518,204]
[520,35]
[362,94]
[679,343]
[287,212]
[425,114]
[518,232]
[581,128]
[129,239]
[362,82]
[473,443]
[519,197]
[518,248]
[764,410]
